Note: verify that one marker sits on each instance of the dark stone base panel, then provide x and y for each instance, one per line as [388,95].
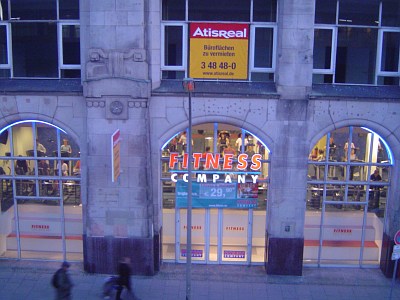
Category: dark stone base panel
[102,254]
[285,256]
[387,264]
[157,251]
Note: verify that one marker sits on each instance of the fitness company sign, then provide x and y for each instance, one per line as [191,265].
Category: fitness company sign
[220,182]
[219,51]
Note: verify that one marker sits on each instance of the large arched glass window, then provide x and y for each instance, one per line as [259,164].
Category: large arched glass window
[348,182]
[230,181]
[40,192]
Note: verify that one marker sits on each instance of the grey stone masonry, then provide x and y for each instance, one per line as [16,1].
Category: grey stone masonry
[295,48]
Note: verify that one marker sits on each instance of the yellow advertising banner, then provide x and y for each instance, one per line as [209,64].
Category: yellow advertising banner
[219,51]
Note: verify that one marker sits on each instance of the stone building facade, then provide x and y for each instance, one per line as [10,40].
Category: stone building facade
[122,87]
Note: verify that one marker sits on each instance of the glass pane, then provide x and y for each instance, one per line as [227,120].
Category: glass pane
[173,74]
[264,77]
[69,148]
[325,11]
[168,236]
[375,190]
[377,200]
[311,236]
[25,187]
[382,155]
[373,239]
[6,194]
[46,140]
[322,48]
[356,12]
[173,45]
[30,41]
[341,235]
[8,235]
[264,10]
[314,196]
[5,149]
[3,45]
[213,253]
[168,194]
[73,231]
[70,73]
[72,193]
[263,46]
[234,235]
[69,9]
[321,78]
[71,45]
[173,10]
[390,13]
[5,73]
[23,140]
[335,192]
[41,236]
[210,10]
[34,10]
[383,80]
[356,54]
[390,52]
[356,193]
[3,10]
[258,237]
[198,237]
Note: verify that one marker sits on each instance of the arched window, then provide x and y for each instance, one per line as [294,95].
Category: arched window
[40,192]
[348,182]
[230,181]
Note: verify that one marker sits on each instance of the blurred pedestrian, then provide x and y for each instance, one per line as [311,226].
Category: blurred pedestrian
[62,282]
[124,278]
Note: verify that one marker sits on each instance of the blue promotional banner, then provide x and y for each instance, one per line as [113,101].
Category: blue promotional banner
[218,195]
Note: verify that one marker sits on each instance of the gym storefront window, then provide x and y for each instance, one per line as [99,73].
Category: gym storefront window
[28,29]
[252,58]
[349,172]
[40,195]
[230,184]
[353,46]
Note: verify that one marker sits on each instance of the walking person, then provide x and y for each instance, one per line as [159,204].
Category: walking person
[62,282]
[124,278]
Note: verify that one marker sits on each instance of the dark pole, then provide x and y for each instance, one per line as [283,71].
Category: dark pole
[188,85]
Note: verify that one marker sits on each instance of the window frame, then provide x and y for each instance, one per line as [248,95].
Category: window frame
[331,70]
[182,67]
[379,48]
[60,23]
[7,66]
[61,64]
[379,72]
[185,43]
[252,68]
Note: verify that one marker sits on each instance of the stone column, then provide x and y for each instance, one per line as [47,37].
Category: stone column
[287,193]
[286,207]
[295,48]
[116,87]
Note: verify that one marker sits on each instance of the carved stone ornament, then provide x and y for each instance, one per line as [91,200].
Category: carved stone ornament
[129,64]
[116,107]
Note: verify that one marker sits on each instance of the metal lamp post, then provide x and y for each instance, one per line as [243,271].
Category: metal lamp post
[188,85]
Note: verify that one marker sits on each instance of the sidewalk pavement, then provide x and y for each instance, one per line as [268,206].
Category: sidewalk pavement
[30,280]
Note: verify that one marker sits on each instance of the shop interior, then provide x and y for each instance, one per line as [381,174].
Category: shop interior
[40,193]
[348,182]
[220,234]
